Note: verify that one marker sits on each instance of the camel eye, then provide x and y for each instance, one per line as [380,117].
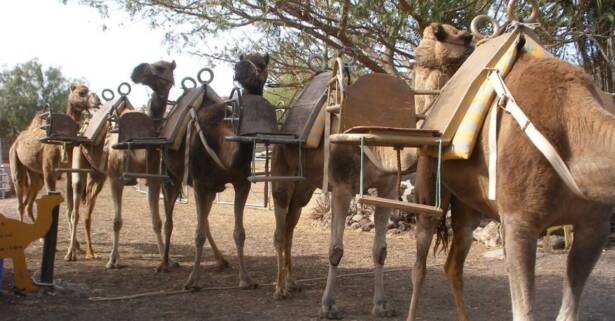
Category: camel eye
[83,93]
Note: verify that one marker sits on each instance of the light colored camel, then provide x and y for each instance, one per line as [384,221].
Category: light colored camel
[33,163]
[567,107]
[208,178]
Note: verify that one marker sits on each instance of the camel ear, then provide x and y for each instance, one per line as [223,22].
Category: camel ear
[72,87]
[439,32]
[241,57]
[266,58]
[173,65]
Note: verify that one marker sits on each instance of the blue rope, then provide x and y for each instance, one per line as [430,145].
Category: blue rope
[361,174]
[438,176]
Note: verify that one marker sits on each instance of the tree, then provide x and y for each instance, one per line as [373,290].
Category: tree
[379,34]
[24,90]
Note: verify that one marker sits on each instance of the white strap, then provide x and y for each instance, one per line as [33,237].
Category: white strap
[208,148]
[541,143]
[493,151]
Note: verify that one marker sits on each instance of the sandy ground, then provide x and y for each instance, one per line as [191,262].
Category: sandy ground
[486,284]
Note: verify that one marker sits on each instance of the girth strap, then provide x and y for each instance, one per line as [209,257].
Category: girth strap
[208,148]
[541,143]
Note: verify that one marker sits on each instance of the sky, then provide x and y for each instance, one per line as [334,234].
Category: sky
[71,37]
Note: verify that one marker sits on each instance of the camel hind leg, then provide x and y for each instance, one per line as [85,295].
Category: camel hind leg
[242,190]
[19,176]
[36,184]
[381,307]
[464,221]
[94,186]
[590,236]
[204,200]
[171,192]
[116,193]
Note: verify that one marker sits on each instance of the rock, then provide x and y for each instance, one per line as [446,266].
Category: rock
[489,235]
[497,254]
[366,225]
[402,226]
[357,218]
[355,226]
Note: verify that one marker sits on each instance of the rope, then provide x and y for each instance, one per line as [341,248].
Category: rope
[398,172]
[218,288]
[361,174]
[438,175]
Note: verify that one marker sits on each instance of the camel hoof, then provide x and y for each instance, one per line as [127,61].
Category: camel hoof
[191,284]
[330,312]
[382,310]
[280,294]
[70,256]
[292,286]
[113,265]
[167,267]
[248,285]
[91,256]
[223,265]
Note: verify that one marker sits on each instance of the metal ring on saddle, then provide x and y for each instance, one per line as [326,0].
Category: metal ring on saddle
[127,90]
[313,64]
[107,94]
[199,76]
[510,11]
[484,18]
[188,83]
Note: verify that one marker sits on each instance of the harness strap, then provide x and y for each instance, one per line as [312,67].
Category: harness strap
[208,148]
[187,152]
[541,143]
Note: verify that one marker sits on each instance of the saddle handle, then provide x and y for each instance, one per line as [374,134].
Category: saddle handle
[210,72]
[124,89]
[510,11]
[107,94]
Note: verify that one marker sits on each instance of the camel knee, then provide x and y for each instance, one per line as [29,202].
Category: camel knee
[335,255]
[199,239]
[157,225]
[380,254]
[168,225]
[117,225]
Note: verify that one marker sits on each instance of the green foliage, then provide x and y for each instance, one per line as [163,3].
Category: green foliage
[379,34]
[24,90]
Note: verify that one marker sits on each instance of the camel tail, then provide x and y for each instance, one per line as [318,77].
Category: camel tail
[442,237]
[18,170]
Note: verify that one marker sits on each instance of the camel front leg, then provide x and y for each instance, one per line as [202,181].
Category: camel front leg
[590,236]
[294,214]
[520,249]
[340,201]
[204,200]
[379,253]
[153,198]
[242,190]
[464,221]
[116,194]
[281,198]
[75,197]
[94,187]
[36,183]
[171,192]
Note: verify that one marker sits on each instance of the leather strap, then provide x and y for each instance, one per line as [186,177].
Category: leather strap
[541,143]
[208,148]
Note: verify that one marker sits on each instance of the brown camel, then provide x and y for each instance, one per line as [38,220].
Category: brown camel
[437,59]
[344,168]
[208,178]
[15,236]
[33,163]
[568,108]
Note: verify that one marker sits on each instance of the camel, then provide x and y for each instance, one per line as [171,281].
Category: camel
[567,107]
[208,178]
[159,76]
[290,197]
[33,163]
[15,236]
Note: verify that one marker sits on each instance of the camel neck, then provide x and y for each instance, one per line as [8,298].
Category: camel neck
[73,113]
[257,92]
[158,106]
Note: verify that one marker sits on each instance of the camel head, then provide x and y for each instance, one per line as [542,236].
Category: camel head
[78,100]
[251,72]
[158,76]
[443,47]
[93,101]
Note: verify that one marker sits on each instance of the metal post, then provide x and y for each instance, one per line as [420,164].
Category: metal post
[49,248]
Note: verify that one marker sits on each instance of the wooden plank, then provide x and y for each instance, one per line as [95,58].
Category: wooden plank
[73,170]
[256,179]
[379,130]
[385,140]
[404,206]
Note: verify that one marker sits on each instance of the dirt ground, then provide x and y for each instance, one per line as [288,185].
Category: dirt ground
[486,283]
